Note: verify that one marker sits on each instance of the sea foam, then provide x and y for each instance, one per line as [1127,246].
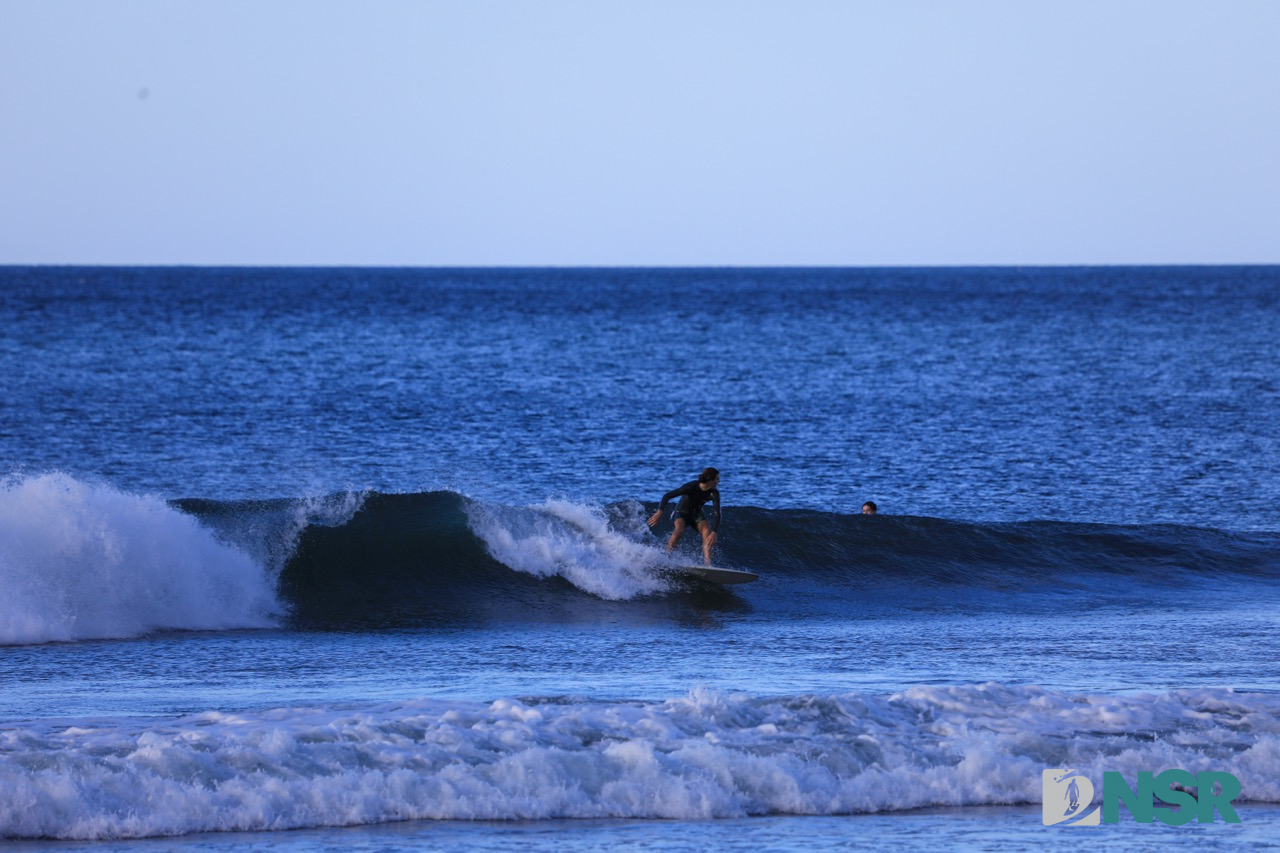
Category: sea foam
[86,561]
[703,755]
[573,541]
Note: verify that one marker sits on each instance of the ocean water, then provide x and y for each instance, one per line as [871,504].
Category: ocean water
[316,559]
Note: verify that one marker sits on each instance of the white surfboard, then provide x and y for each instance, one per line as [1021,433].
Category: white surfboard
[721,576]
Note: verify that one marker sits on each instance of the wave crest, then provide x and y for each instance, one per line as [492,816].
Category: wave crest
[82,561]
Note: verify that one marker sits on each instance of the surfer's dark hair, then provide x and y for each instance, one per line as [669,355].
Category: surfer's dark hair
[708,475]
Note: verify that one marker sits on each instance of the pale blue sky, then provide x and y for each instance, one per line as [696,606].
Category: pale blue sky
[480,132]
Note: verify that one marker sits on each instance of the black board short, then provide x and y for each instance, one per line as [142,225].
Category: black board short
[690,518]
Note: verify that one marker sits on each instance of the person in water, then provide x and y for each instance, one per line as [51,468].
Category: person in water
[694,495]
[869,508]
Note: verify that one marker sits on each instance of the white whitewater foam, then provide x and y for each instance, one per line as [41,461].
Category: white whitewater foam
[705,755]
[572,541]
[82,561]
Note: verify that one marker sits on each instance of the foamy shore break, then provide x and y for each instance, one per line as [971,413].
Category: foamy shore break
[705,755]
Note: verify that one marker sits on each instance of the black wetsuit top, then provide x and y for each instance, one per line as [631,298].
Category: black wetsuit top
[692,499]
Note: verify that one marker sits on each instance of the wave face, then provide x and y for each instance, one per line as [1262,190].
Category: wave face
[81,561]
[705,755]
[438,556]
[1022,565]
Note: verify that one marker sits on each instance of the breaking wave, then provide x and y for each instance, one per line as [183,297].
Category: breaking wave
[84,561]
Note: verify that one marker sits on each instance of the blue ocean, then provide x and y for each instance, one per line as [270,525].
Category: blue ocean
[312,559]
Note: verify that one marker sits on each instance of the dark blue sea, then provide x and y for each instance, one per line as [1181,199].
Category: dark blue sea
[312,559]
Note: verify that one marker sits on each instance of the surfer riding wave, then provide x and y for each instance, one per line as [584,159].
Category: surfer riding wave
[694,496]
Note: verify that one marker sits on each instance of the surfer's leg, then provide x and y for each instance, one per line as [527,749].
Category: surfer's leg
[676,534]
[708,540]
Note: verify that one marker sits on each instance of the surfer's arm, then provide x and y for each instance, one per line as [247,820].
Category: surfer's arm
[715,502]
[662,507]
[674,493]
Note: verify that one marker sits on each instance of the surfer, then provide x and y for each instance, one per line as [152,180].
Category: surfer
[870,508]
[693,495]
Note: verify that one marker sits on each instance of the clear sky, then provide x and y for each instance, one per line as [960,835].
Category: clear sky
[691,132]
